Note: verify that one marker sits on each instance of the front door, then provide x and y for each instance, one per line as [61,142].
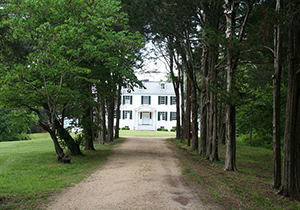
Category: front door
[146,118]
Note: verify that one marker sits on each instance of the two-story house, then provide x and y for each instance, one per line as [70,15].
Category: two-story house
[150,108]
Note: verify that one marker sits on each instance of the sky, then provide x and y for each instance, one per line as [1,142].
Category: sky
[155,68]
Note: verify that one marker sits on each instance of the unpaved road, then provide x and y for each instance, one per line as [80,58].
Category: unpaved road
[141,174]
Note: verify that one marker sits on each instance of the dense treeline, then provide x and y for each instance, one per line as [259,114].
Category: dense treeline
[241,60]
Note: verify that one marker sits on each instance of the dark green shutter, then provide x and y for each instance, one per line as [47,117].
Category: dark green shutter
[158,116]
[166,100]
[123,99]
[158,100]
[142,100]
[120,115]
[131,100]
[171,102]
[171,116]
[149,100]
[123,115]
[131,115]
[166,117]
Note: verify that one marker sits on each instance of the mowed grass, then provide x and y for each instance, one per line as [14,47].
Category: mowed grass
[248,188]
[147,133]
[29,171]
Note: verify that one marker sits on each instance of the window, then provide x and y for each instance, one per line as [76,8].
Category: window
[127,114]
[162,116]
[127,99]
[162,86]
[173,116]
[146,100]
[162,100]
[173,100]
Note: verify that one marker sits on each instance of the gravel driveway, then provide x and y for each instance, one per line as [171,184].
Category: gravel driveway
[141,174]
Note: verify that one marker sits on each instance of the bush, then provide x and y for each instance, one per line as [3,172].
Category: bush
[258,140]
[125,128]
[162,129]
[14,137]
[173,129]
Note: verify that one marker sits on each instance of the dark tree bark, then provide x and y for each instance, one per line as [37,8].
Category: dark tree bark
[101,133]
[175,82]
[110,118]
[117,128]
[276,105]
[203,109]
[65,135]
[291,150]
[88,130]
[182,105]
[87,121]
[232,59]
[195,140]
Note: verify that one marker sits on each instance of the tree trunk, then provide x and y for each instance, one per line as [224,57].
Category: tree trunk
[204,107]
[59,151]
[230,160]
[214,153]
[276,105]
[188,114]
[117,128]
[88,131]
[65,135]
[183,117]
[110,118]
[195,140]
[291,150]
[102,122]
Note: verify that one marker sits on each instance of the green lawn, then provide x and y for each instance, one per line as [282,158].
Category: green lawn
[29,171]
[147,133]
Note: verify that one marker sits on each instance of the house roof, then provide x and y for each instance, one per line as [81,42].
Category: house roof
[152,87]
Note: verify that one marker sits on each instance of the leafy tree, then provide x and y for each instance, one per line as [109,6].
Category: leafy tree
[62,37]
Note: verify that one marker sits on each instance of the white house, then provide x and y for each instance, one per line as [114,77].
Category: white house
[150,108]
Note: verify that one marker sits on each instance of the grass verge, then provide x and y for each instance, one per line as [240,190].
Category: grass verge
[147,133]
[30,173]
[249,188]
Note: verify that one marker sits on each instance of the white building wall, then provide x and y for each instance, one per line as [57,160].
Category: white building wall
[141,116]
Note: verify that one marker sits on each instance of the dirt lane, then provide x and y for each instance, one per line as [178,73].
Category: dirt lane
[141,174]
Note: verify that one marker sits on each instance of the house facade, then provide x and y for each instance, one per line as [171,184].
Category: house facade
[150,108]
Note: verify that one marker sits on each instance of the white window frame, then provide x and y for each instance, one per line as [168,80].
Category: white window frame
[127,99]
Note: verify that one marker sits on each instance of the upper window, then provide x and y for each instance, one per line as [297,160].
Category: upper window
[173,100]
[127,99]
[163,100]
[146,100]
[162,86]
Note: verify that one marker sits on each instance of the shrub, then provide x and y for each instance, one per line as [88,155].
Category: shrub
[258,140]
[162,129]
[125,128]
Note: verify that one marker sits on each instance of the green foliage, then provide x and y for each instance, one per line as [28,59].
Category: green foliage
[162,129]
[257,140]
[126,128]
[14,124]
[257,114]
